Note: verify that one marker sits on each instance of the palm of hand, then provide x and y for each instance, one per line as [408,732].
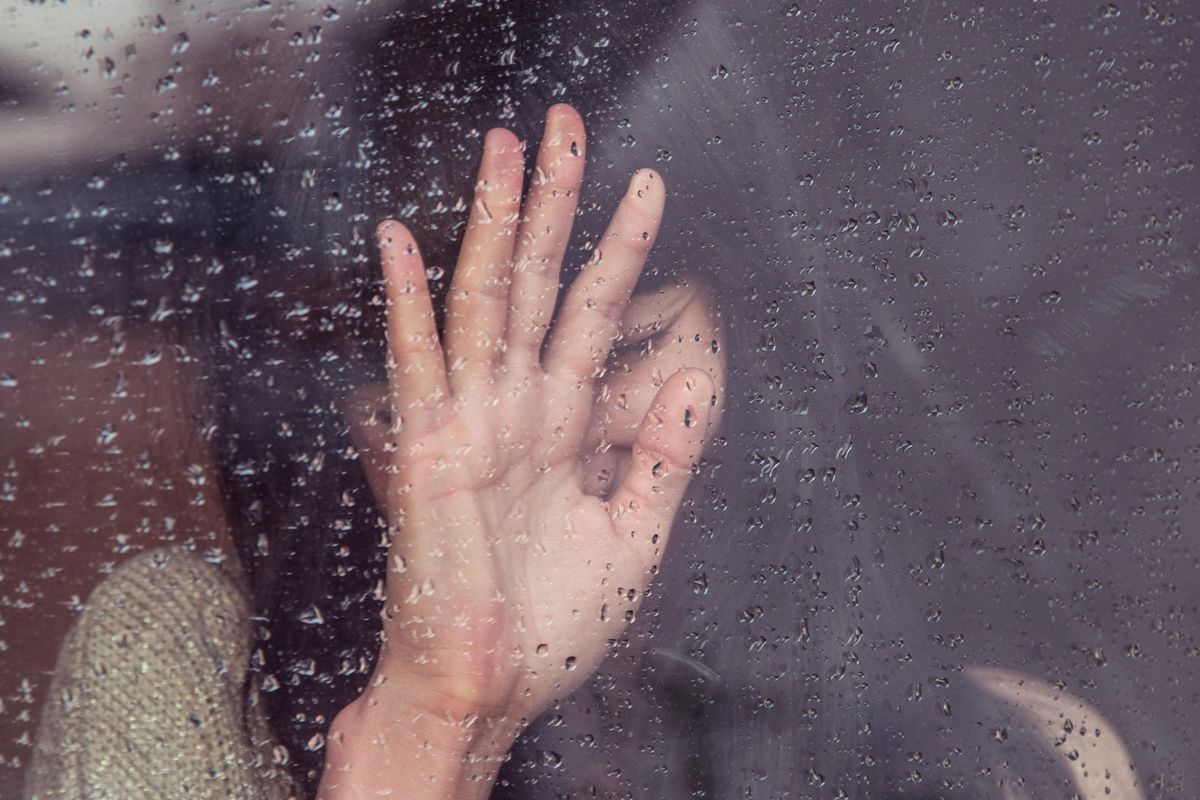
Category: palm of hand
[507,580]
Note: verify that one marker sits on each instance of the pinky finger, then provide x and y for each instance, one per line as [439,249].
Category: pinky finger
[667,449]
[416,365]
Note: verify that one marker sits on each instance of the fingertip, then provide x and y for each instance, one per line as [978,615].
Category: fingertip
[561,108]
[648,173]
[384,229]
[562,118]
[503,162]
[501,140]
[391,233]
[699,382]
[398,252]
[646,187]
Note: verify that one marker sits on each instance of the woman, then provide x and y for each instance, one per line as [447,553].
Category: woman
[520,544]
[508,581]
[514,562]
[791,659]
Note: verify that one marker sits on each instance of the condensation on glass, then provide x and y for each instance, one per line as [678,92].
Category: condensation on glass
[944,544]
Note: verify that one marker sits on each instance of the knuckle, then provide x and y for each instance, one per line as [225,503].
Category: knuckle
[413,348]
[555,187]
[638,242]
[481,289]
[663,464]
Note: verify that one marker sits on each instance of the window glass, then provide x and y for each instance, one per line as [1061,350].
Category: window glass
[937,258]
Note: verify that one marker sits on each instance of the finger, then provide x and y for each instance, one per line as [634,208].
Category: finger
[477,305]
[416,366]
[668,446]
[545,232]
[368,417]
[592,311]
[662,332]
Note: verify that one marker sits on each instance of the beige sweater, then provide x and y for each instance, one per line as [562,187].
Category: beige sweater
[149,696]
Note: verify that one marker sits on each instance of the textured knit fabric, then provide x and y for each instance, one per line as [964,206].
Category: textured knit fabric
[149,697]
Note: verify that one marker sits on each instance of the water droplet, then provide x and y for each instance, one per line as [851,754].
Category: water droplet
[857,403]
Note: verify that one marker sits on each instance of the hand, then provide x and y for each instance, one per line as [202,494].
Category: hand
[507,579]
[662,331]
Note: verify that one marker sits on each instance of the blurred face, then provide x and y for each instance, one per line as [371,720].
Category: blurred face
[87,79]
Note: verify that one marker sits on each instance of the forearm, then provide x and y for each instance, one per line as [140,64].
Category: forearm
[382,746]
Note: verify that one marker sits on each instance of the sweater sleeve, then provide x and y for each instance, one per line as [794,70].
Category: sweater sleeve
[149,698]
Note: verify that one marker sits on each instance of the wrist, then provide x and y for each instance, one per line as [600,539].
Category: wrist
[463,692]
[404,711]
[407,743]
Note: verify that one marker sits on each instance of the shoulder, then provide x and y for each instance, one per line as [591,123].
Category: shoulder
[150,688]
[171,583]
[164,601]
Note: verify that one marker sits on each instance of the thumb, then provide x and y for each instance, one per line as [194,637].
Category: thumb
[667,449]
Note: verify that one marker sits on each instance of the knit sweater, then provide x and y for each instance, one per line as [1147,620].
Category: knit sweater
[150,697]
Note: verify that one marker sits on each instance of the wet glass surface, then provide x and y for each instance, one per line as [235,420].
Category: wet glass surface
[943,544]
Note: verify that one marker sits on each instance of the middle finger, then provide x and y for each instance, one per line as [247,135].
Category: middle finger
[545,232]
[477,306]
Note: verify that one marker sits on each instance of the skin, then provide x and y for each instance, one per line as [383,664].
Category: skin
[521,543]
[158,466]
